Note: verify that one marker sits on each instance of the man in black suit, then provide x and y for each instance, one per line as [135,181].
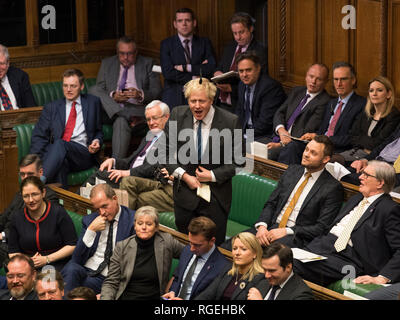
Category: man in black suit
[183,57]
[283,284]
[242,26]
[259,96]
[363,243]
[199,157]
[296,223]
[20,276]
[339,116]
[30,165]
[302,111]
[15,88]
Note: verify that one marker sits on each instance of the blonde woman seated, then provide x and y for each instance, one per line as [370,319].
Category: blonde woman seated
[139,267]
[246,271]
[377,122]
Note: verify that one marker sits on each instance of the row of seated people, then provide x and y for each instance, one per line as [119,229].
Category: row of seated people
[189,95]
[122,255]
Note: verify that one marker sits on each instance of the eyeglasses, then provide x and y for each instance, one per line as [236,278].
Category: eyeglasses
[34,195]
[153,118]
[367,175]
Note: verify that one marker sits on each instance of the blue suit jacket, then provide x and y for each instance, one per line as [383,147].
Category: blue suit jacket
[211,269]
[51,124]
[172,54]
[125,229]
[341,136]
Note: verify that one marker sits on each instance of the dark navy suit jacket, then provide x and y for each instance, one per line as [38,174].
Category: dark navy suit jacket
[172,54]
[211,269]
[21,87]
[341,135]
[125,229]
[267,98]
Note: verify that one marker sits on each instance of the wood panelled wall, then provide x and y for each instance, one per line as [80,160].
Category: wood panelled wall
[307,31]
[148,21]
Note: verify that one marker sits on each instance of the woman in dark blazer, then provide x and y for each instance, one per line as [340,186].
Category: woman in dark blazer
[234,282]
[43,230]
[376,123]
[140,265]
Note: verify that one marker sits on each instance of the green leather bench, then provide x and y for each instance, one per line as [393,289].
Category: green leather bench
[249,194]
[24,135]
[359,289]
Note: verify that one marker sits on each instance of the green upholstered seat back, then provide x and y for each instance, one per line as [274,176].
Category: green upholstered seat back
[249,194]
[77,220]
[359,289]
[24,135]
[49,91]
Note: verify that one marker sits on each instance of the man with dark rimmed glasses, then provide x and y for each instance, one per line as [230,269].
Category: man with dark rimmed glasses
[363,243]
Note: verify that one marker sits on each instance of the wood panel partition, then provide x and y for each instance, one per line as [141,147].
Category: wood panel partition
[303,32]
[83,206]
[9,151]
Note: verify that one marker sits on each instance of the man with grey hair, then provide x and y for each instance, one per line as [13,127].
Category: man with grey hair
[125,84]
[363,243]
[100,231]
[113,169]
[15,88]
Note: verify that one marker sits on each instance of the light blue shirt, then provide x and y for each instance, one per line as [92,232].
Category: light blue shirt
[79,134]
[200,264]
[345,100]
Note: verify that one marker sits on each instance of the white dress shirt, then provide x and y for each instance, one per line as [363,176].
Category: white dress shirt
[6,85]
[88,239]
[79,134]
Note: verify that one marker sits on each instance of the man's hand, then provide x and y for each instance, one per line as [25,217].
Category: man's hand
[179,68]
[171,296]
[359,165]
[262,235]
[225,87]
[254,294]
[273,145]
[94,147]
[203,175]
[120,97]
[369,279]
[132,93]
[276,234]
[107,164]
[308,136]
[166,175]
[191,181]
[98,224]
[118,174]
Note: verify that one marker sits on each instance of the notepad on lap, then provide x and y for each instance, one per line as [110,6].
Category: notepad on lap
[306,256]
[204,192]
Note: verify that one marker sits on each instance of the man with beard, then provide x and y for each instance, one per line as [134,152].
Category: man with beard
[20,279]
[305,201]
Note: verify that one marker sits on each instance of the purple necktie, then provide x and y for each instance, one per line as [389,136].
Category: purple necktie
[143,152]
[122,83]
[294,115]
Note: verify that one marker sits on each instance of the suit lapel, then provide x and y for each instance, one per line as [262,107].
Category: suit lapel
[114,75]
[296,102]
[343,115]
[317,185]
[139,72]
[61,112]
[370,210]
[130,259]
[85,110]
[159,255]
[296,177]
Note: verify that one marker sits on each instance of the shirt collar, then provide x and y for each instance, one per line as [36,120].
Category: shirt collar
[284,283]
[373,198]
[206,255]
[116,218]
[345,100]
[314,175]
[181,38]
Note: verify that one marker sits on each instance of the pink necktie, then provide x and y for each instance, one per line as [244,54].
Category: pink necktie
[335,119]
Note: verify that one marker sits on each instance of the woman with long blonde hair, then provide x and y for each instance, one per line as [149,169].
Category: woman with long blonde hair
[246,271]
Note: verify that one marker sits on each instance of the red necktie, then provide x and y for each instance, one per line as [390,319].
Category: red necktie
[334,121]
[5,99]
[69,128]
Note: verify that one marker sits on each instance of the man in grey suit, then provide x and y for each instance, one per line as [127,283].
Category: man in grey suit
[302,111]
[210,162]
[125,84]
[283,284]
